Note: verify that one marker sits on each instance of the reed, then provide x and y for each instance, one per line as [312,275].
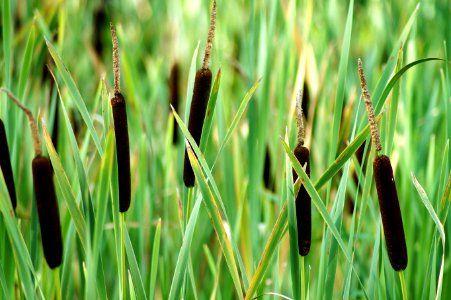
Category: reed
[44,188]
[201,95]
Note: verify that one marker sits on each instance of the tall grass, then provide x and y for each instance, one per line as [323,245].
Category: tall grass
[229,237]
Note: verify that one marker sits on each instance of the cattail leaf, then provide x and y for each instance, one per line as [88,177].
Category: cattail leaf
[210,111]
[239,114]
[154,260]
[74,93]
[182,260]
[215,216]
[134,269]
[190,84]
[215,189]
[292,227]
[424,198]
[66,189]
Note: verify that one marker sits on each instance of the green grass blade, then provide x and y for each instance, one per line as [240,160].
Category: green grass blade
[206,129]
[154,264]
[26,62]
[190,85]
[182,260]
[75,94]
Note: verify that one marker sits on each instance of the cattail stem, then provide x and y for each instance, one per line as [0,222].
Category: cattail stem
[116,67]
[369,107]
[210,36]
[31,121]
[300,119]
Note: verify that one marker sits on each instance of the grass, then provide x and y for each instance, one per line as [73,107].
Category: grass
[230,237]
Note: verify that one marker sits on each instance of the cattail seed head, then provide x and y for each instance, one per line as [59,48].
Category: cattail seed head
[5,164]
[369,107]
[122,150]
[303,204]
[390,212]
[47,210]
[199,102]
[267,178]
[174,95]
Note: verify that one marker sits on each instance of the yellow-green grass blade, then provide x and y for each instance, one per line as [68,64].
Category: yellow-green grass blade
[74,93]
[292,228]
[215,216]
[206,129]
[214,187]
[66,189]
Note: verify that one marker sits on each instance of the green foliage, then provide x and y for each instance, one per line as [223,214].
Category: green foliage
[229,237]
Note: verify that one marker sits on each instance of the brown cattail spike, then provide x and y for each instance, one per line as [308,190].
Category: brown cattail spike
[199,102]
[116,67]
[5,164]
[122,150]
[369,107]
[390,212]
[31,121]
[47,210]
[211,35]
[174,95]
[303,204]
[300,119]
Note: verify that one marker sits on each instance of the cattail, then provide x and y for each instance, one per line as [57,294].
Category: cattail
[174,95]
[121,132]
[5,164]
[201,94]
[100,21]
[267,179]
[46,201]
[386,190]
[303,200]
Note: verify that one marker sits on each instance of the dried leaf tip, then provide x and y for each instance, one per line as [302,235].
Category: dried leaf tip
[211,35]
[31,121]
[369,107]
[300,118]
[116,68]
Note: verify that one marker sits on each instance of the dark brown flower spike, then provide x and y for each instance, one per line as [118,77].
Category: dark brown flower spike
[386,190]
[174,95]
[46,201]
[5,164]
[199,102]
[118,106]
